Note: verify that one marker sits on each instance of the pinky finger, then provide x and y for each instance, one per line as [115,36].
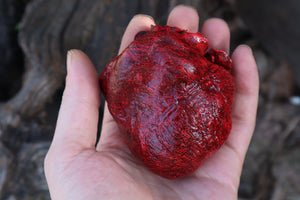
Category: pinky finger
[246,99]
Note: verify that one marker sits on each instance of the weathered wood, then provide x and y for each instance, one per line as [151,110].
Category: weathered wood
[28,180]
[6,168]
[47,31]
[11,69]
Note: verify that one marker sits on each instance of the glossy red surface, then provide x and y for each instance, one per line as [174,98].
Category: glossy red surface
[172,99]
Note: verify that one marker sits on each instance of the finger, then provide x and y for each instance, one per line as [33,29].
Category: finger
[110,134]
[218,34]
[138,23]
[77,122]
[246,99]
[184,17]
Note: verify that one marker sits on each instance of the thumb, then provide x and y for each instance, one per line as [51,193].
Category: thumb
[77,122]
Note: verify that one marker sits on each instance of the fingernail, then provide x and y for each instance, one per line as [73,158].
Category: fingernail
[248,47]
[69,59]
[144,16]
[186,6]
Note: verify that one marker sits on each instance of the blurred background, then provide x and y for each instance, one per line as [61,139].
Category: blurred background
[36,34]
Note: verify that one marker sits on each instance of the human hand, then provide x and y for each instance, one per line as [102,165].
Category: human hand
[76,169]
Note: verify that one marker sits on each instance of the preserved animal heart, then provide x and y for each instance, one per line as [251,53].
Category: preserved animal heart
[172,98]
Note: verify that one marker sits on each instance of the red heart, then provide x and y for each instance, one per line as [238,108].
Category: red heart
[172,99]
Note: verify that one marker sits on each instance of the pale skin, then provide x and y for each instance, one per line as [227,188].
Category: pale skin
[76,169]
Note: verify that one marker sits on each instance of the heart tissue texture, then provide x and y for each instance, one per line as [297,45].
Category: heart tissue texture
[172,99]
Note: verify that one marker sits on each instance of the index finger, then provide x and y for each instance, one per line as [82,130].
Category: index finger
[110,134]
[138,23]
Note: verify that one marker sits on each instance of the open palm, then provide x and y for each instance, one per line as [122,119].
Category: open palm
[75,169]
